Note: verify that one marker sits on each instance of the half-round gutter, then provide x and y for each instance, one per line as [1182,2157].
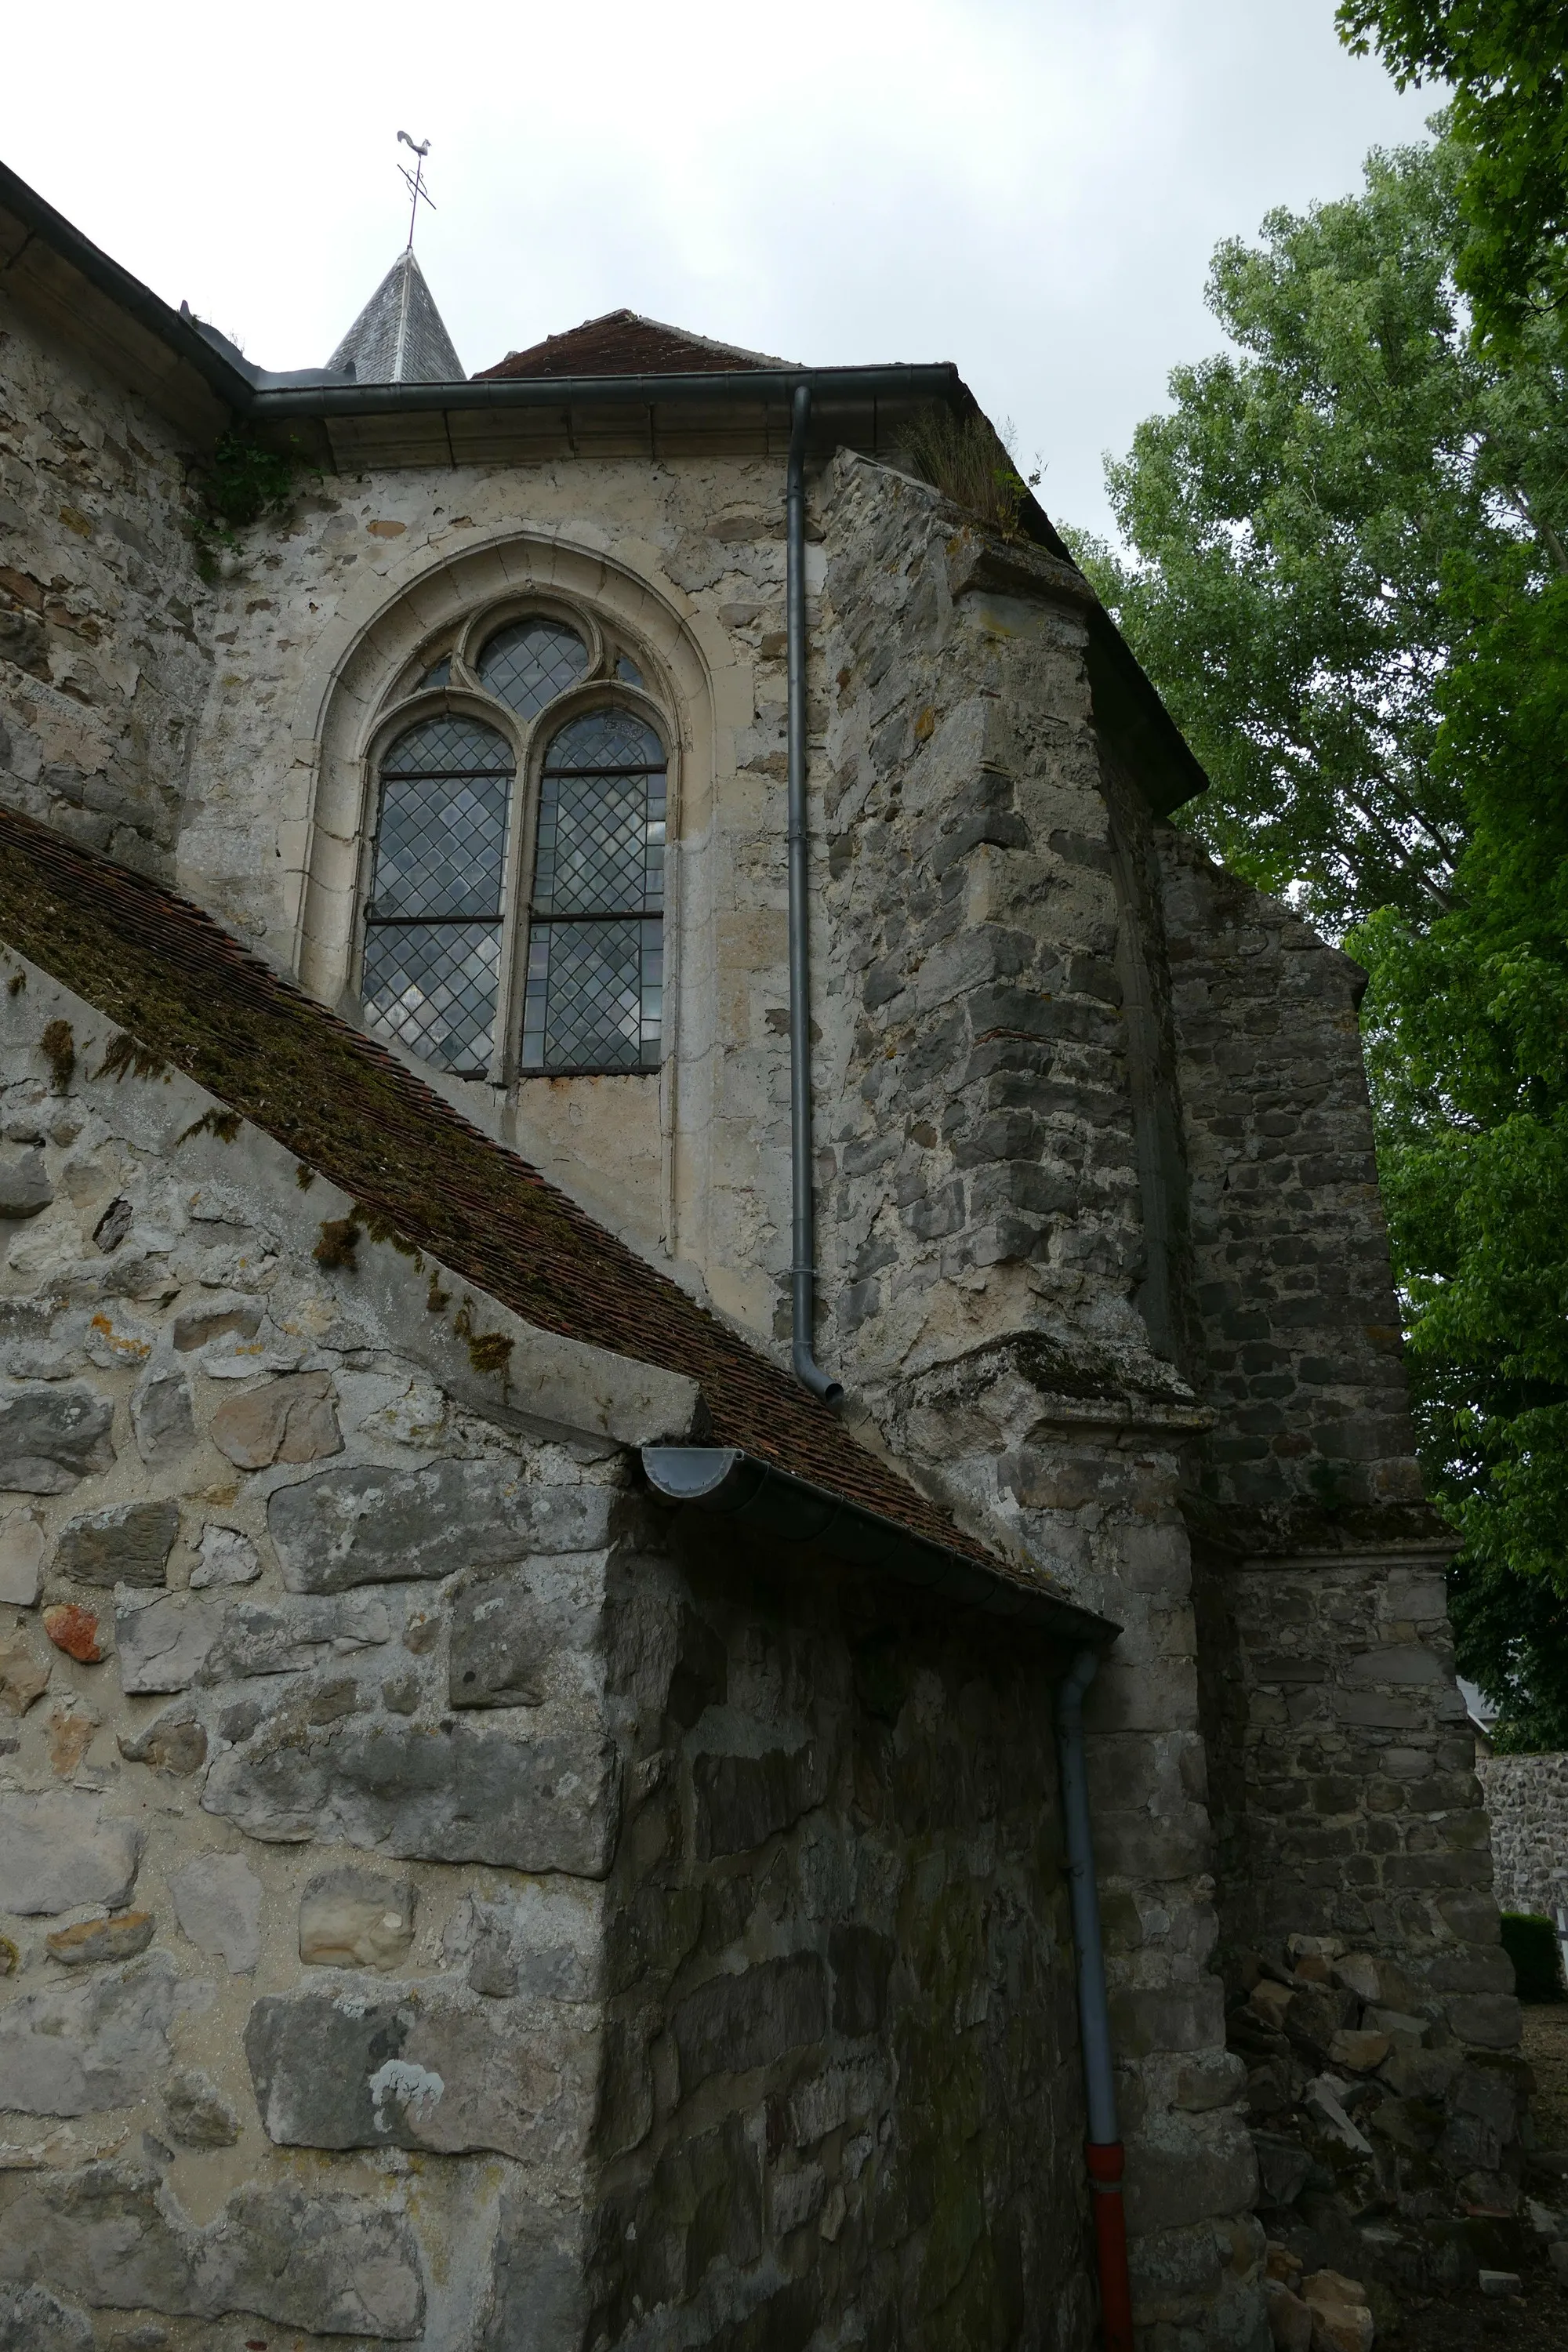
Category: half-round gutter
[803,1219]
[1104,2152]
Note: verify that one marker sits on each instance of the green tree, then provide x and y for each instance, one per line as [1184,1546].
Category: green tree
[1343,565]
[1466,1029]
[1507,63]
[1303,529]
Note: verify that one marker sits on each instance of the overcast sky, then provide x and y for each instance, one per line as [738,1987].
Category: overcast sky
[1028,187]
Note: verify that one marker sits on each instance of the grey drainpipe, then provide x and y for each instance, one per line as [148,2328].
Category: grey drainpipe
[803,1269]
[1104,2152]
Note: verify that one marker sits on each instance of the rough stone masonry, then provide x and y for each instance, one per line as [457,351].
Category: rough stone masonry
[448,1899]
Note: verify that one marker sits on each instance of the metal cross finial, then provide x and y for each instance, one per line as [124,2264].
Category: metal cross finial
[418,193]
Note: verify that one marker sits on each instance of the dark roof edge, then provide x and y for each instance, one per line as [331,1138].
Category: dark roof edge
[725,1480]
[231,382]
[936,380]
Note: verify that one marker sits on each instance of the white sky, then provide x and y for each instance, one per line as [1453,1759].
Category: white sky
[1028,187]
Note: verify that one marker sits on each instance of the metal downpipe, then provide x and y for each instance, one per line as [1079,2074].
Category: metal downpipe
[1104,2152]
[802,1222]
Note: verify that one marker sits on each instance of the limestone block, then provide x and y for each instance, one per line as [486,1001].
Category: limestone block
[162,1638]
[162,1419]
[173,1742]
[1409,1662]
[31,2320]
[543,1941]
[741,1801]
[289,1420]
[125,1543]
[1321,2102]
[25,1186]
[218,1902]
[282,1636]
[513,1635]
[463,1793]
[352,1919]
[227,1556]
[1290,2320]
[362,1524]
[216,1319]
[119,1937]
[1190,2177]
[196,2112]
[53,1434]
[1283,2164]
[1361,2052]
[71,1734]
[842,2093]
[426,2064]
[24,1675]
[732,2024]
[21,1559]
[115,1340]
[108,2235]
[73,2049]
[1342,2321]
[1490,2020]
[60,1852]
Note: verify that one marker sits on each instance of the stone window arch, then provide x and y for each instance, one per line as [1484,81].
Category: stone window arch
[511,900]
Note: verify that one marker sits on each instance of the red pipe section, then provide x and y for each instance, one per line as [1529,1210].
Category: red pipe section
[1106,2165]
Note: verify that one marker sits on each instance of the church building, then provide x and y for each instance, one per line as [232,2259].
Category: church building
[717,1626]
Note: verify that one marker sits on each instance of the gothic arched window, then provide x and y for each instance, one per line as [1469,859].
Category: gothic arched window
[513,910]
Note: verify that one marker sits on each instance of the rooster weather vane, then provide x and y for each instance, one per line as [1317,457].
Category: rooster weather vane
[418,192]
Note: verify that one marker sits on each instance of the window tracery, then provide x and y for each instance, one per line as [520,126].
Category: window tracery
[513,904]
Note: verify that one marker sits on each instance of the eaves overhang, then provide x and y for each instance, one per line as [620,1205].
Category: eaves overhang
[726,1481]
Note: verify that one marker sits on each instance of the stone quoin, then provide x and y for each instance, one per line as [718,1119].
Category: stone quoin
[453,1893]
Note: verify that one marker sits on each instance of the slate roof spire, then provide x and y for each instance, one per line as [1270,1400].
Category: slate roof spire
[399,337]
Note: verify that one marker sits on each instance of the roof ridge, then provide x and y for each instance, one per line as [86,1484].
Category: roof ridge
[299,1073]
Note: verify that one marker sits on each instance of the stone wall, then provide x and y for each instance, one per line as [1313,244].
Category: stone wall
[1527,1804]
[444,1900]
[104,661]
[845,2089]
[982,1182]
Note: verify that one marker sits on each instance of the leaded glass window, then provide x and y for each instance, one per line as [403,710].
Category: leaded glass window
[432,925]
[529,663]
[594,989]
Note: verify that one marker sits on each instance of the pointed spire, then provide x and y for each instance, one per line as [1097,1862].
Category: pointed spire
[398,337]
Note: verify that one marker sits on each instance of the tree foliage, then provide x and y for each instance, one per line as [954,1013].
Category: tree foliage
[1304,528]
[1507,63]
[1467,1027]
[1344,567]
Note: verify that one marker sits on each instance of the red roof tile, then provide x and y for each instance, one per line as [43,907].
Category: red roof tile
[169,975]
[623,343]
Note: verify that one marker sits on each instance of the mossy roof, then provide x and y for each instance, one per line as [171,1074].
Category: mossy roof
[189,994]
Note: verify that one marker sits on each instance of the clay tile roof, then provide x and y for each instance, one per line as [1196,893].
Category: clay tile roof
[171,977]
[623,343]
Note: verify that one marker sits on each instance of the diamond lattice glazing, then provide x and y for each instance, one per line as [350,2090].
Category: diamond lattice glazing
[433,987]
[449,745]
[529,663]
[440,847]
[592,996]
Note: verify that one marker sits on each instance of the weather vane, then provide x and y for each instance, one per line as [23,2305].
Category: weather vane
[418,193]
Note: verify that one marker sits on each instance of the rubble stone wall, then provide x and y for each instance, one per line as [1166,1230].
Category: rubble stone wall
[1527,1804]
[443,1902]
[847,2091]
[104,664]
[982,1176]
